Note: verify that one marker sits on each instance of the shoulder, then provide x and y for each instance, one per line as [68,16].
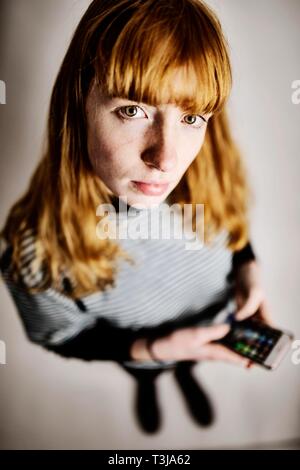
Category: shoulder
[29,270]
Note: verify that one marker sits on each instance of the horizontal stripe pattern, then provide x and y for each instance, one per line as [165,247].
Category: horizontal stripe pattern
[167,283]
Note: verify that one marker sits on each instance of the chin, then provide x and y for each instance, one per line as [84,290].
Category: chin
[144,201]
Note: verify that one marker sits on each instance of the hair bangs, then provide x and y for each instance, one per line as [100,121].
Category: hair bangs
[160,57]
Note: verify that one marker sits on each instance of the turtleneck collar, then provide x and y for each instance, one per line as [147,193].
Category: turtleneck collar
[121,206]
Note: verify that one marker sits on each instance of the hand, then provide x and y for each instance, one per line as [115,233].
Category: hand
[249,294]
[193,343]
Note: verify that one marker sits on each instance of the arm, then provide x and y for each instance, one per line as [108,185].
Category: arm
[242,256]
[130,345]
[249,292]
[101,342]
[49,316]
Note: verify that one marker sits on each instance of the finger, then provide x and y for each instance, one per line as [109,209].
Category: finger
[206,334]
[265,313]
[250,365]
[250,306]
[221,353]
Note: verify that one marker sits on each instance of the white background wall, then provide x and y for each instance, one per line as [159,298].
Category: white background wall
[48,402]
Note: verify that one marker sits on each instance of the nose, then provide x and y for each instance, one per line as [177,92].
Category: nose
[160,151]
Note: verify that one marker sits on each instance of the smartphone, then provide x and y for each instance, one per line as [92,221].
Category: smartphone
[258,342]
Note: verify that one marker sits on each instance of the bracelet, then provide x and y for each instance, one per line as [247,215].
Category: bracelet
[149,342]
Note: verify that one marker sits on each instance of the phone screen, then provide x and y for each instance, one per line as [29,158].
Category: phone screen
[252,339]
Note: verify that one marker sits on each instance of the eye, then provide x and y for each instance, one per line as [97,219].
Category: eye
[130,111]
[195,120]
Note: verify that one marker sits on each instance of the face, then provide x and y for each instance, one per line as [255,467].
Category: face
[141,152]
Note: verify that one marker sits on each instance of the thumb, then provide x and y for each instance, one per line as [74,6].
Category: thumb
[248,309]
[212,333]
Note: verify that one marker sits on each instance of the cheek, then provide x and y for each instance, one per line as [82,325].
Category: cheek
[197,141]
[100,146]
[191,146]
[109,151]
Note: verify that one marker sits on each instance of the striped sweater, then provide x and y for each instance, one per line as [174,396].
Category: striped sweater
[168,287]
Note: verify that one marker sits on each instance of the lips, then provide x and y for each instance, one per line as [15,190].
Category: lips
[151,189]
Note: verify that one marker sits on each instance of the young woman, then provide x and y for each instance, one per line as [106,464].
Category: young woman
[137,114]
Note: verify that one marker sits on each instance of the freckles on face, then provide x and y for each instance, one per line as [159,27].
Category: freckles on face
[112,151]
[117,148]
